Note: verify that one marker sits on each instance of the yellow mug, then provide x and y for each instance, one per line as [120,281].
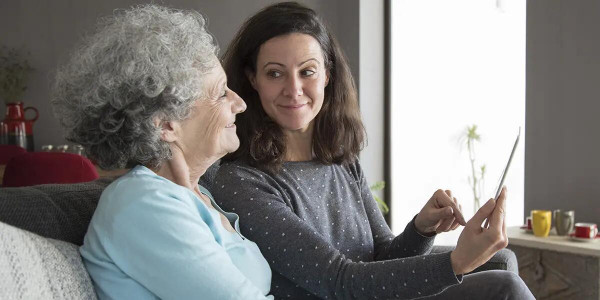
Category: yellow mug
[542,221]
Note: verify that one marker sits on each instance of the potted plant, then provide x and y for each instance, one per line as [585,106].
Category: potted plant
[476,180]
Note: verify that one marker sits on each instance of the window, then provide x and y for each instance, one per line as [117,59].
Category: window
[455,64]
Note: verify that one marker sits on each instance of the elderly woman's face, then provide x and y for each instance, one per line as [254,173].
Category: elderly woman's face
[210,129]
[290,80]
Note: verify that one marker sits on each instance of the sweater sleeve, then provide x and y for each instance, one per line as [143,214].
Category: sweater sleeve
[408,243]
[298,252]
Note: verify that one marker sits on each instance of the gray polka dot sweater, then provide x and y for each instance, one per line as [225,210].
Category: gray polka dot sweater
[323,235]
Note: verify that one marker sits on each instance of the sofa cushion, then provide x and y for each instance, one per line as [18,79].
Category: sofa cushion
[58,211]
[33,267]
[61,211]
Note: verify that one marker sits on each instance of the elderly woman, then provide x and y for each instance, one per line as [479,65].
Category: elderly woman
[146,91]
[297,182]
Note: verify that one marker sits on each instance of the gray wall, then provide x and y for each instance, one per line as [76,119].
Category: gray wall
[371,88]
[562,154]
[50,29]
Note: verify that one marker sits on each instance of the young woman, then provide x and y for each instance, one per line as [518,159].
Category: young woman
[297,183]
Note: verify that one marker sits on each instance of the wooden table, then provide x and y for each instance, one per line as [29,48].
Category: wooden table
[555,267]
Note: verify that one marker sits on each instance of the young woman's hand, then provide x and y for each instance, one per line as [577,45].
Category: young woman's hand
[440,214]
[477,244]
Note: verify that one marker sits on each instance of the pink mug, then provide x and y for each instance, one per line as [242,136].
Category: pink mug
[586,230]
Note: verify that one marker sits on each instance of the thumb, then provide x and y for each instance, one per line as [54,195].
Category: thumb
[483,213]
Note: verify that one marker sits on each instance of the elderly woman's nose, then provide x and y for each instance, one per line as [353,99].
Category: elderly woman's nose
[239,105]
[293,87]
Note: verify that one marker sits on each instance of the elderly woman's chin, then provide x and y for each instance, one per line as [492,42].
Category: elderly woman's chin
[232,142]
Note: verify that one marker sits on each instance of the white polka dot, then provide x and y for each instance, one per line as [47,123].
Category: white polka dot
[222,186]
[234,193]
[283,234]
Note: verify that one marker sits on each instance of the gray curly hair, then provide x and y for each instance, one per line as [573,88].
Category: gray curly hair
[142,63]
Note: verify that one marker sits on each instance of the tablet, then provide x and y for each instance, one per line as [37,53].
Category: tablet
[512,153]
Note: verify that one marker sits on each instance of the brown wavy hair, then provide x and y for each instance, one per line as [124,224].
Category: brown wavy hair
[338,134]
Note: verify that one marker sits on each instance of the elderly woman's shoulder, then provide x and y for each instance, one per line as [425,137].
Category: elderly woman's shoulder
[140,180]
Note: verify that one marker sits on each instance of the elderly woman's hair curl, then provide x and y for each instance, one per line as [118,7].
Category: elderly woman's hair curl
[142,64]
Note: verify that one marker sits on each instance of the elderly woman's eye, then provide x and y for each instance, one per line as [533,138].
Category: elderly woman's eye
[274,74]
[224,94]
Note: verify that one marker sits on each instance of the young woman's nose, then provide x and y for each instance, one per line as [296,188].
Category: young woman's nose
[293,87]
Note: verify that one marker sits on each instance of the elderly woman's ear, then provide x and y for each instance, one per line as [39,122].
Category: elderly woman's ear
[167,129]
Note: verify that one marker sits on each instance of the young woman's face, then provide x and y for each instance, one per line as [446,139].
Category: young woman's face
[290,80]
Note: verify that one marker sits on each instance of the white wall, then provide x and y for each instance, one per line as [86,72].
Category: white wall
[50,29]
[562,158]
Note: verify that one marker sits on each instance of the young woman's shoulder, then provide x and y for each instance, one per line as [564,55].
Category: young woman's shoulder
[238,169]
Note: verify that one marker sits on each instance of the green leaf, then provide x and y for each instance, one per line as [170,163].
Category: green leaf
[382,206]
[379,185]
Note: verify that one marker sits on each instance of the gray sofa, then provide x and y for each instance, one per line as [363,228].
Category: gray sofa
[42,226]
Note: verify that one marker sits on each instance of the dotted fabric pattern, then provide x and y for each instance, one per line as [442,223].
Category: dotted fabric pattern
[323,235]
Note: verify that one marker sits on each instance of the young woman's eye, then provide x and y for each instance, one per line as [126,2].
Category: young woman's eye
[274,74]
[307,73]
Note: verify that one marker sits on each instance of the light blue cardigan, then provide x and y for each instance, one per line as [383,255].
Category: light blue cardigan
[151,238]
